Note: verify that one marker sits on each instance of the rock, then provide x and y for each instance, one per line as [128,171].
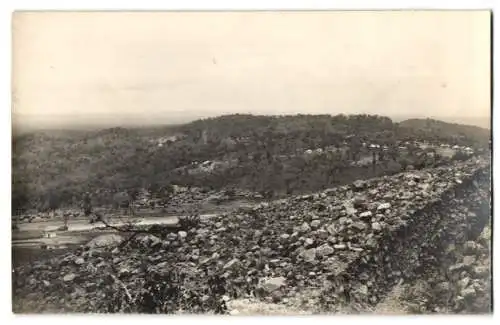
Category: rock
[463,283]
[359,202]
[339,246]
[456,267]
[469,260]
[308,242]
[350,211]
[105,240]
[343,220]
[363,290]
[376,226]
[468,292]
[470,247]
[358,225]
[305,227]
[384,206]
[359,185]
[309,255]
[234,312]
[46,283]
[315,224]
[272,284]
[182,234]
[284,236]
[171,236]
[366,214]
[79,261]
[325,250]
[332,230]
[232,264]
[443,287]
[149,240]
[277,296]
[481,271]
[69,277]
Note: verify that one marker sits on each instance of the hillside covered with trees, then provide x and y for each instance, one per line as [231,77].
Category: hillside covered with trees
[274,155]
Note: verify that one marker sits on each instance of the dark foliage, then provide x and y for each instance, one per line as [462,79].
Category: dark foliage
[260,153]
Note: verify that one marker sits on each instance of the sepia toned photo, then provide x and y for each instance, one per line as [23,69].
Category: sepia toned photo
[252,162]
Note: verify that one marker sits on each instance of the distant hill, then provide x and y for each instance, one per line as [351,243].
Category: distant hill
[443,130]
[483,122]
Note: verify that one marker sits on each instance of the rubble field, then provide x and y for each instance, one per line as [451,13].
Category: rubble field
[343,250]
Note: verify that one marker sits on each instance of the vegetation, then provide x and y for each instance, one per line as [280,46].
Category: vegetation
[260,153]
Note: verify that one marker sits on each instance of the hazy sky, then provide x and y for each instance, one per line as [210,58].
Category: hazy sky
[185,65]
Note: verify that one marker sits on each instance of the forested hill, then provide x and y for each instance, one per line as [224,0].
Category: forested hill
[440,129]
[253,152]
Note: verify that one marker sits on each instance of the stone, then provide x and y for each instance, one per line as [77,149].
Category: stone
[343,220]
[384,206]
[309,255]
[182,234]
[481,271]
[468,292]
[350,211]
[358,225]
[470,247]
[272,284]
[332,230]
[149,240]
[69,277]
[231,264]
[359,185]
[376,226]
[443,287]
[363,289]
[463,283]
[366,214]
[79,261]
[308,242]
[456,267]
[284,236]
[171,236]
[315,224]
[324,250]
[469,260]
[339,246]
[305,227]
[105,241]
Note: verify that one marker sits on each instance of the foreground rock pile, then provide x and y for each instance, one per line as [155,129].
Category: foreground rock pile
[344,246]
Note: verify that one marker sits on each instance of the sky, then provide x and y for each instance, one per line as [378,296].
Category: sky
[171,67]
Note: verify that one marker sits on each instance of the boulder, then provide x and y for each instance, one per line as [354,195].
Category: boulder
[324,250]
[269,285]
[105,241]
[309,255]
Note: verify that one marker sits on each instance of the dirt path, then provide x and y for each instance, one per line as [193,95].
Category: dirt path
[30,234]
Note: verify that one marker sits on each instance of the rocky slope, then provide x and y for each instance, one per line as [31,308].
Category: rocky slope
[341,249]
